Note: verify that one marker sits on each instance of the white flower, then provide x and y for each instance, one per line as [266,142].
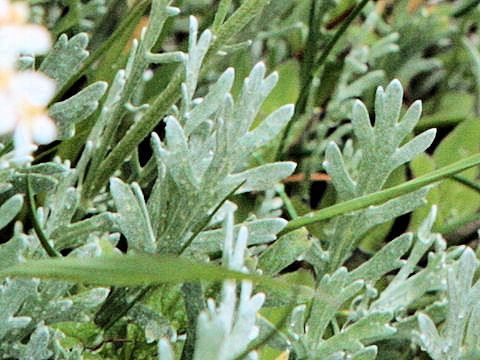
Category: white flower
[24,97]
[17,36]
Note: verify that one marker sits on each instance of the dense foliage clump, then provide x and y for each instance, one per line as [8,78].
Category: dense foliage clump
[251,179]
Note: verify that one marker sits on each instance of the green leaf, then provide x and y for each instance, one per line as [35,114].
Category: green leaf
[212,101]
[132,270]
[262,177]
[259,232]
[456,199]
[37,345]
[453,108]
[77,108]
[40,182]
[10,209]
[384,261]
[76,234]
[65,58]
[373,325]
[381,150]
[284,251]
[133,217]
[337,289]
[285,92]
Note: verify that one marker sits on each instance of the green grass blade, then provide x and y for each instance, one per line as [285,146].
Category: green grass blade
[381,196]
[133,270]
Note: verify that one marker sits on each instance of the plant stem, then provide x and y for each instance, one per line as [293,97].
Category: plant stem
[280,189]
[381,196]
[47,246]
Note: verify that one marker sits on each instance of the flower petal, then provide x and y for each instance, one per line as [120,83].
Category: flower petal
[22,139]
[33,87]
[33,39]
[8,45]
[44,130]
[8,116]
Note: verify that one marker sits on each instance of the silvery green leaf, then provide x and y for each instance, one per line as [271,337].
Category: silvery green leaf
[12,251]
[359,86]
[413,148]
[156,326]
[48,168]
[384,46]
[462,299]
[133,218]
[212,101]
[221,214]
[224,331]
[112,101]
[424,240]
[177,157]
[40,182]
[400,295]
[384,261]
[430,338]
[336,356]
[76,108]
[62,208]
[284,252]
[262,177]
[260,232]
[73,235]
[65,58]
[13,293]
[25,63]
[263,133]
[406,327]
[380,150]
[196,52]
[458,335]
[36,347]
[317,256]
[255,90]
[350,339]
[375,215]
[10,209]
[472,335]
[335,166]
[409,120]
[297,320]
[333,290]
[417,65]
[158,200]
[278,341]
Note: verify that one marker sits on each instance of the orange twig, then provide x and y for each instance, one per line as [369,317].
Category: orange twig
[313,177]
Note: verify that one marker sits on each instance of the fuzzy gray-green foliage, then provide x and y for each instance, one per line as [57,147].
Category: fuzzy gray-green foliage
[379,153]
[176,203]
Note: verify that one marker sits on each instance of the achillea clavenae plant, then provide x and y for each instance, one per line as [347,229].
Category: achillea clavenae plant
[161,219]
